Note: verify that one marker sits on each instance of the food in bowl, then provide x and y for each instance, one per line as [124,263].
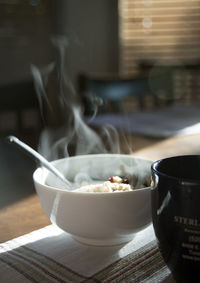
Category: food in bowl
[103,218]
[114,184]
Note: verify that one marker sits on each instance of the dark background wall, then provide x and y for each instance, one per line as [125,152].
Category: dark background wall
[92,29]
[26,31]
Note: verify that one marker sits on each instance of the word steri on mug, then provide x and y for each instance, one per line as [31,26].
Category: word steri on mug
[187,221]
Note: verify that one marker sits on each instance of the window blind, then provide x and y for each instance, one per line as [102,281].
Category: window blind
[164,31]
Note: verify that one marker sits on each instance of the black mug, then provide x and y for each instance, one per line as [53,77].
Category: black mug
[175,196]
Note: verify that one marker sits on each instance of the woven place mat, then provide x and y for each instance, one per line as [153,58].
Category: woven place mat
[143,265]
[51,255]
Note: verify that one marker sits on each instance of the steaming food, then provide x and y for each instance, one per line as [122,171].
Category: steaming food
[114,184]
[102,219]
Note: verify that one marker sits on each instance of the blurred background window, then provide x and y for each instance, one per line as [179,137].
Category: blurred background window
[158,30]
[160,33]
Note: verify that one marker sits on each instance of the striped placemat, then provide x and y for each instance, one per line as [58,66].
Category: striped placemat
[50,255]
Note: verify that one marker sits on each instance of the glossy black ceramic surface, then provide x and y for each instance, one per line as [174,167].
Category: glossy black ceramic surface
[176,214]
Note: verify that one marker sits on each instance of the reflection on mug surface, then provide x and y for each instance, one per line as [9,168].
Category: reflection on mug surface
[175,198]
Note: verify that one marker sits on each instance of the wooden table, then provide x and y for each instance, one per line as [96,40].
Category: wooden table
[26,215]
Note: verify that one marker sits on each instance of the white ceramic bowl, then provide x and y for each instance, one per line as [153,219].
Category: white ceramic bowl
[96,218]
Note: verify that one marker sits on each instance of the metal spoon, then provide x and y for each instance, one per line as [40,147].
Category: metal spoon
[40,158]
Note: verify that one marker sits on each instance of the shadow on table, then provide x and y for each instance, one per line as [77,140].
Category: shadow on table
[15,174]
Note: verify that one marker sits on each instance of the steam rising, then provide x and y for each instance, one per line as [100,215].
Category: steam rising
[67,133]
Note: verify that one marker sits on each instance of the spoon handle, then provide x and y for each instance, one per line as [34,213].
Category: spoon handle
[38,157]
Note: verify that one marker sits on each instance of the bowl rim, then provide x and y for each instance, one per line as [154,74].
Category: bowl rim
[52,188]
